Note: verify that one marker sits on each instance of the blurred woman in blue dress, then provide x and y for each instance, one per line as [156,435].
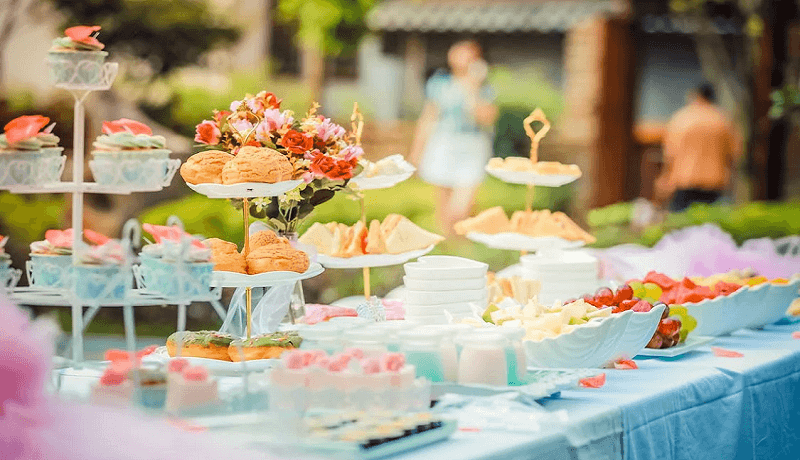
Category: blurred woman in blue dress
[453,139]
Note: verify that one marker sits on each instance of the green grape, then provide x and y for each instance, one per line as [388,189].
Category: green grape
[652,292]
[688,322]
[638,288]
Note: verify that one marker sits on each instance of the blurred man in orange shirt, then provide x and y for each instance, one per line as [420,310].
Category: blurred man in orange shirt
[701,145]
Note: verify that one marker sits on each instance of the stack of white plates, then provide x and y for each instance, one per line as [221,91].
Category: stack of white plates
[564,274]
[435,284]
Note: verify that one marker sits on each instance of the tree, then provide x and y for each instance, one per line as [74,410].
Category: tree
[324,28]
[166,34]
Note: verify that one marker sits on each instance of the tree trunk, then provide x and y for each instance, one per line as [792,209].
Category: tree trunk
[312,68]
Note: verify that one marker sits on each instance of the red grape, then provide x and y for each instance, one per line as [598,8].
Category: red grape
[628,304]
[655,341]
[604,296]
[642,306]
[624,292]
[669,326]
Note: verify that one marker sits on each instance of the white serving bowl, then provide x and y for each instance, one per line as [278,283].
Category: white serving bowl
[750,306]
[415,297]
[445,268]
[570,260]
[418,284]
[596,343]
[426,310]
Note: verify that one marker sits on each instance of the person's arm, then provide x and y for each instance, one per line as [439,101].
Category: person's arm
[425,124]
[664,186]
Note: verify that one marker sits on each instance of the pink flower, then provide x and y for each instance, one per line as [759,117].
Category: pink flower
[195,374]
[393,362]
[308,177]
[351,152]
[235,105]
[327,130]
[242,126]
[207,132]
[125,125]
[276,119]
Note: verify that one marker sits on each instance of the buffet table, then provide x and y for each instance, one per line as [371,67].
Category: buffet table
[692,407]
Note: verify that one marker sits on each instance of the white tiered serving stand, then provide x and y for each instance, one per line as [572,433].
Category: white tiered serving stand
[547,245]
[269,279]
[366,262]
[77,187]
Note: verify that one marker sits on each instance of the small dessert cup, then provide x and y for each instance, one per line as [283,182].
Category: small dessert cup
[76,67]
[50,271]
[165,278]
[143,168]
[100,283]
[30,167]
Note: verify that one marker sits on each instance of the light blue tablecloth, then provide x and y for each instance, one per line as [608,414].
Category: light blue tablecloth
[697,406]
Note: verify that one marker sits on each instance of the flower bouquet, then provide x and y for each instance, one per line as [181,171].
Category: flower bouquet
[320,151]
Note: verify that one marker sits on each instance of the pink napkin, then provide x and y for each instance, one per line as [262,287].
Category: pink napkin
[723,353]
[625,364]
[594,382]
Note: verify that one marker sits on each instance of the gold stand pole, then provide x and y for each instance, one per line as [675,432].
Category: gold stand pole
[365,270]
[248,291]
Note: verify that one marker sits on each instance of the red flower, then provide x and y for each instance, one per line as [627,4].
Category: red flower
[296,142]
[207,132]
[272,101]
[126,125]
[220,115]
[24,127]
[325,166]
[83,34]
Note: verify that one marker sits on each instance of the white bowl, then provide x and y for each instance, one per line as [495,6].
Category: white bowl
[596,343]
[430,310]
[750,306]
[415,297]
[418,284]
[445,268]
[560,260]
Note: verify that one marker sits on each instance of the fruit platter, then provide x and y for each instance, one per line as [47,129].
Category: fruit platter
[577,334]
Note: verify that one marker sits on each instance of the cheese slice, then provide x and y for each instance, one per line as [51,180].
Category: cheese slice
[319,236]
[407,236]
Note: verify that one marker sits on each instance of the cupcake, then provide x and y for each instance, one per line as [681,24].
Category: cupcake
[29,152]
[99,276]
[127,153]
[77,58]
[177,264]
[51,259]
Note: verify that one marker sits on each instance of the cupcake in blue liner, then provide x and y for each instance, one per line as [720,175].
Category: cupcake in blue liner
[77,58]
[128,154]
[177,264]
[101,276]
[5,262]
[29,152]
[50,265]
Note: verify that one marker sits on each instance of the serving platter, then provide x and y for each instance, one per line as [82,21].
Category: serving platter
[518,242]
[371,260]
[215,366]
[245,190]
[532,178]
[692,343]
[235,280]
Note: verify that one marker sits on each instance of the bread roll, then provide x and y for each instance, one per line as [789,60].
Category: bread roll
[205,167]
[257,164]
[274,258]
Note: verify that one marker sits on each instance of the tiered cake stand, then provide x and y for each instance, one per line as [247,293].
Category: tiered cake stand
[105,286]
[366,262]
[245,192]
[517,241]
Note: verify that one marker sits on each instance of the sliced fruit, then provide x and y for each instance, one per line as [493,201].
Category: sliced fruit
[604,296]
[642,306]
[487,314]
[652,292]
[637,288]
[624,292]
[669,326]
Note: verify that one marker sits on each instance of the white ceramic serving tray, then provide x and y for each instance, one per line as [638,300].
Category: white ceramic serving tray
[371,260]
[692,343]
[518,242]
[531,178]
[231,279]
[215,366]
[245,190]
[596,343]
[444,285]
[445,268]
[750,306]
